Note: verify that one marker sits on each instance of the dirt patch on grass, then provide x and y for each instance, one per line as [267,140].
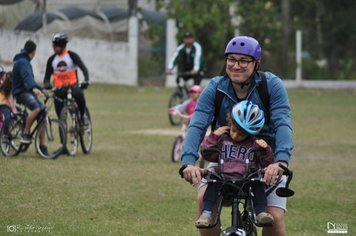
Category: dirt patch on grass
[165,132]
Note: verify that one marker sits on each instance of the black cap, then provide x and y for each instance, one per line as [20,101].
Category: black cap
[30,46]
[188,35]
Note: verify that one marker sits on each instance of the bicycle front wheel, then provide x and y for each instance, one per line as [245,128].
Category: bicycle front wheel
[175,99]
[12,145]
[69,121]
[52,134]
[86,133]
[177,149]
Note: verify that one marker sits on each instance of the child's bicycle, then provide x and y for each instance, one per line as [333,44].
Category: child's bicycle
[180,94]
[74,129]
[237,194]
[54,134]
[179,139]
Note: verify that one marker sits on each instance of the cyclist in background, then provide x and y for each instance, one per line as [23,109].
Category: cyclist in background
[26,90]
[62,65]
[189,58]
[189,105]
[7,103]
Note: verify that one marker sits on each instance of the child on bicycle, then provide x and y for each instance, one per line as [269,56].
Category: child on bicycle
[189,105]
[236,143]
[6,103]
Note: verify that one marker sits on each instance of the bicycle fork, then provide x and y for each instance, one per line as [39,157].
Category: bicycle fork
[236,228]
[48,129]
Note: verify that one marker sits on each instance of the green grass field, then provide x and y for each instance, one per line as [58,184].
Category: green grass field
[128,185]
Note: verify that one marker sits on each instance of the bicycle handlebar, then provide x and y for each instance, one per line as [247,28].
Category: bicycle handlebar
[250,177]
[78,85]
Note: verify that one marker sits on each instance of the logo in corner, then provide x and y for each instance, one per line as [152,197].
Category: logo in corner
[336,228]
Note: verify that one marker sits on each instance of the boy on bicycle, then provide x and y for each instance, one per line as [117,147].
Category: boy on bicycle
[26,90]
[236,143]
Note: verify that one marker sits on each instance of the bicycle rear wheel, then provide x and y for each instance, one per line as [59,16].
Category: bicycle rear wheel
[12,146]
[54,138]
[70,124]
[177,149]
[86,133]
[175,99]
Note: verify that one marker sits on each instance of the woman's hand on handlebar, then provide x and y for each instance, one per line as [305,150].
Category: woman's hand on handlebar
[273,172]
[193,174]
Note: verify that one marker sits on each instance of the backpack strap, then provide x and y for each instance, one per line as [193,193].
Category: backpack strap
[263,93]
[217,102]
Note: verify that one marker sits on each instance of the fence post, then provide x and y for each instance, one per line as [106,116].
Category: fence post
[298,70]
[171,44]
[132,65]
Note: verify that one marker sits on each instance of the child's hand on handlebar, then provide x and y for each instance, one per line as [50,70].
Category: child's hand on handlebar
[173,111]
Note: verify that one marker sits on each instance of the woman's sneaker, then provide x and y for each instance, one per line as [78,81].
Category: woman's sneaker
[264,218]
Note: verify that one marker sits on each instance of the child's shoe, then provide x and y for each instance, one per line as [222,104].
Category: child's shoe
[264,218]
[203,221]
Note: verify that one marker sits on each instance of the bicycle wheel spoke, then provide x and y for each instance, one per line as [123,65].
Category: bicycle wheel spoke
[53,135]
[11,146]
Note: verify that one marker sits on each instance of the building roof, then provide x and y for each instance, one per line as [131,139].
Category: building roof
[106,14]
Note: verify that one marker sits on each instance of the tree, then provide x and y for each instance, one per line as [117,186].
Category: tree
[328,26]
[329,33]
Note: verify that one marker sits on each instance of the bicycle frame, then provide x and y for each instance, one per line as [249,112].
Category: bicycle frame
[182,85]
[44,124]
[78,131]
[43,115]
[238,191]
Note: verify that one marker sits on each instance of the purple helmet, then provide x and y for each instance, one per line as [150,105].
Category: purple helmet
[244,45]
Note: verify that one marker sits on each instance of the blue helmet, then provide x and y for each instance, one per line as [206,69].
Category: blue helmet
[248,116]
